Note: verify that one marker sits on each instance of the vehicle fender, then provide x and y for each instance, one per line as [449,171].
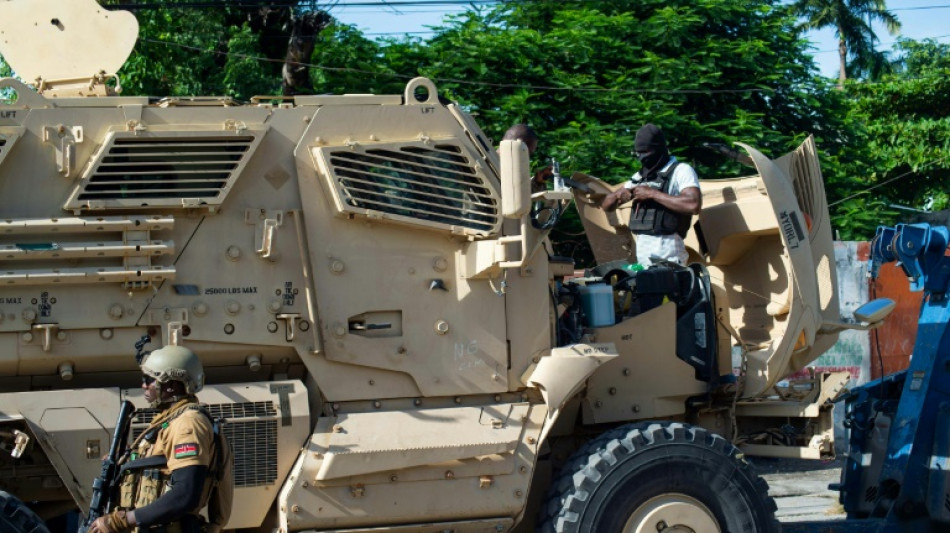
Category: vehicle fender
[560,375]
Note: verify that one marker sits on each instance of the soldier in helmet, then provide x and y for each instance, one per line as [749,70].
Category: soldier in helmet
[180,464]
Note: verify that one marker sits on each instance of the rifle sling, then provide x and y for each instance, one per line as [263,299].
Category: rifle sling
[145,462]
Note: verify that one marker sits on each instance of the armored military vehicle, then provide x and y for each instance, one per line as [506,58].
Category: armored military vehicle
[366,280]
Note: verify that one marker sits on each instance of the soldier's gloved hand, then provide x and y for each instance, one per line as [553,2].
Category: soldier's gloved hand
[114,522]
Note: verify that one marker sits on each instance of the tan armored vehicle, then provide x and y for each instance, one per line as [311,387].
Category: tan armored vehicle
[368,287]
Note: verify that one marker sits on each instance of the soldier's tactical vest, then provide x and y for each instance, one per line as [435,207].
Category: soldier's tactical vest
[652,218]
[144,480]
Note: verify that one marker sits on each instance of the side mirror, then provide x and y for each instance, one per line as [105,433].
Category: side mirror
[515,179]
[868,316]
[875,310]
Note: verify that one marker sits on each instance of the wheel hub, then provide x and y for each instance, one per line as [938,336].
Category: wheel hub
[672,513]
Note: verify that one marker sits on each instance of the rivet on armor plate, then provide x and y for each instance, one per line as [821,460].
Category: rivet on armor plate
[272,327]
[377,404]
[636,408]
[229,328]
[519,494]
[274,305]
[200,308]
[27,337]
[337,266]
[338,429]
[613,391]
[441,327]
[484,482]
[105,333]
[458,399]
[598,403]
[449,474]
[357,491]
[523,469]
[295,508]
[29,315]
[531,440]
[439,264]
[417,402]
[233,253]
[372,382]
[66,371]
[232,307]
[61,336]
[393,478]
[626,371]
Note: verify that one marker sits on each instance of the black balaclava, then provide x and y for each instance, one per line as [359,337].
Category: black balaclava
[651,138]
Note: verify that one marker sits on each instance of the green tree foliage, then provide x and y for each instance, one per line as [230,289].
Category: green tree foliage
[185,51]
[851,20]
[903,128]
[588,74]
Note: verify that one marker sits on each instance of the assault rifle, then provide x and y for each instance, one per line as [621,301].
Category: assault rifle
[103,488]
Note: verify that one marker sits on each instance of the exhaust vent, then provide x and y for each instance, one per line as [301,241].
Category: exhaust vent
[437,186]
[168,169]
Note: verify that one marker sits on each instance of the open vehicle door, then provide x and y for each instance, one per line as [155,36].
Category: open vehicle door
[766,241]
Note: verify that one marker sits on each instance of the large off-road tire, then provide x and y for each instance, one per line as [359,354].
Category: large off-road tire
[16,517]
[656,477]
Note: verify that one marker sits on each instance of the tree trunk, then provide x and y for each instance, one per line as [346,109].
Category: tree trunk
[843,56]
[305,27]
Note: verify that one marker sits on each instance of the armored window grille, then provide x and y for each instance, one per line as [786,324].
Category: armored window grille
[414,183]
[168,169]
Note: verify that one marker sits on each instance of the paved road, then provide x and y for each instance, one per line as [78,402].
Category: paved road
[800,488]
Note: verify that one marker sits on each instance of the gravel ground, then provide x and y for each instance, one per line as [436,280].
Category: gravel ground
[800,487]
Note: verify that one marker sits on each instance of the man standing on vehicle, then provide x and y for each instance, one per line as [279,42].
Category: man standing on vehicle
[665,193]
[180,464]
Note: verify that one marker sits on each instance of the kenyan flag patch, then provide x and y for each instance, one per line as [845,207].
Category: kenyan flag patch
[189,449]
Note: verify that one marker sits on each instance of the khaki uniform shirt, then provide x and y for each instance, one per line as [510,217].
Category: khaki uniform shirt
[187,441]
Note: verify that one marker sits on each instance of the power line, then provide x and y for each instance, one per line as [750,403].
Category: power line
[890,42]
[892,180]
[460,81]
[920,8]
[292,3]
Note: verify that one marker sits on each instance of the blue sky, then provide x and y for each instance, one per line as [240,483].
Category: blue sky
[920,19]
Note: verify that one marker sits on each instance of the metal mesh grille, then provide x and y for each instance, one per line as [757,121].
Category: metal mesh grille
[807,182]
[253,442]
[242,410]
[174,167]
[433,185]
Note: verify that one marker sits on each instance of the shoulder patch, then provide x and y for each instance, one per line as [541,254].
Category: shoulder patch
[188,449]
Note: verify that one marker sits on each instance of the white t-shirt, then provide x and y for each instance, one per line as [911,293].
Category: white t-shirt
[665,247]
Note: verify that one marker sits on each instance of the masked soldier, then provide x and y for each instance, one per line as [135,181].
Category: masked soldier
[666,195]
[180,464]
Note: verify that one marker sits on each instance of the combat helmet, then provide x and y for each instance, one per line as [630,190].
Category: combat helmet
[175,363]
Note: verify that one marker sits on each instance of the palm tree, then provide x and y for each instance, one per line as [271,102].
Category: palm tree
[851,20]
